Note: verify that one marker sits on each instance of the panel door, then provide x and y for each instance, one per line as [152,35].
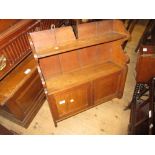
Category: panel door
[105,87]
[72,100]
[61,103]
[79,98]
[27,96]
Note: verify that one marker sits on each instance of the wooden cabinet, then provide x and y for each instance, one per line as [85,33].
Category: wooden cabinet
[145,63]
[78,74]
[27,95]
[142,102]
[22,94]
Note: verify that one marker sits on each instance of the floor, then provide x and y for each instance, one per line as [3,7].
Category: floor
[107,118]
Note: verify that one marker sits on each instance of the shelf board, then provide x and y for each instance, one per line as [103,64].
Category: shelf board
[68,80]
[49,50]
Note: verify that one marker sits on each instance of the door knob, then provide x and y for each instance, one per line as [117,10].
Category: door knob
[71,100]
[62,102]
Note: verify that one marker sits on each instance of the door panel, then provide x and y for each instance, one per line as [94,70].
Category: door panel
[28,94]
[61,103]
[72,100]
[106,86]
[78,98]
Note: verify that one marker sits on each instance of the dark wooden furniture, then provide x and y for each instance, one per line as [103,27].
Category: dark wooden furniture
[145,64]
[142,115]
[21,94]
[14,44]
[148,36]
[142,104]
[7,23]
[78,74]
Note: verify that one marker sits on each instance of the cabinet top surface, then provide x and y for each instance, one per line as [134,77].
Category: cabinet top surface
[60,40]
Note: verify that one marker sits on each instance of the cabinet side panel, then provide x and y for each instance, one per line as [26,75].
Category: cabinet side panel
[118,55]
[27,95]
[121,84]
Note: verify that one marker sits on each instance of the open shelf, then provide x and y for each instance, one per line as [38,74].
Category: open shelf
[68,80]
[43,50]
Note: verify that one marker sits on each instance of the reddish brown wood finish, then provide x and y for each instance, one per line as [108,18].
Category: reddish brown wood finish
[14,44]
[106,86]
[81,73]
[72,100]
[7,23]
[21,94]
[145,64]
